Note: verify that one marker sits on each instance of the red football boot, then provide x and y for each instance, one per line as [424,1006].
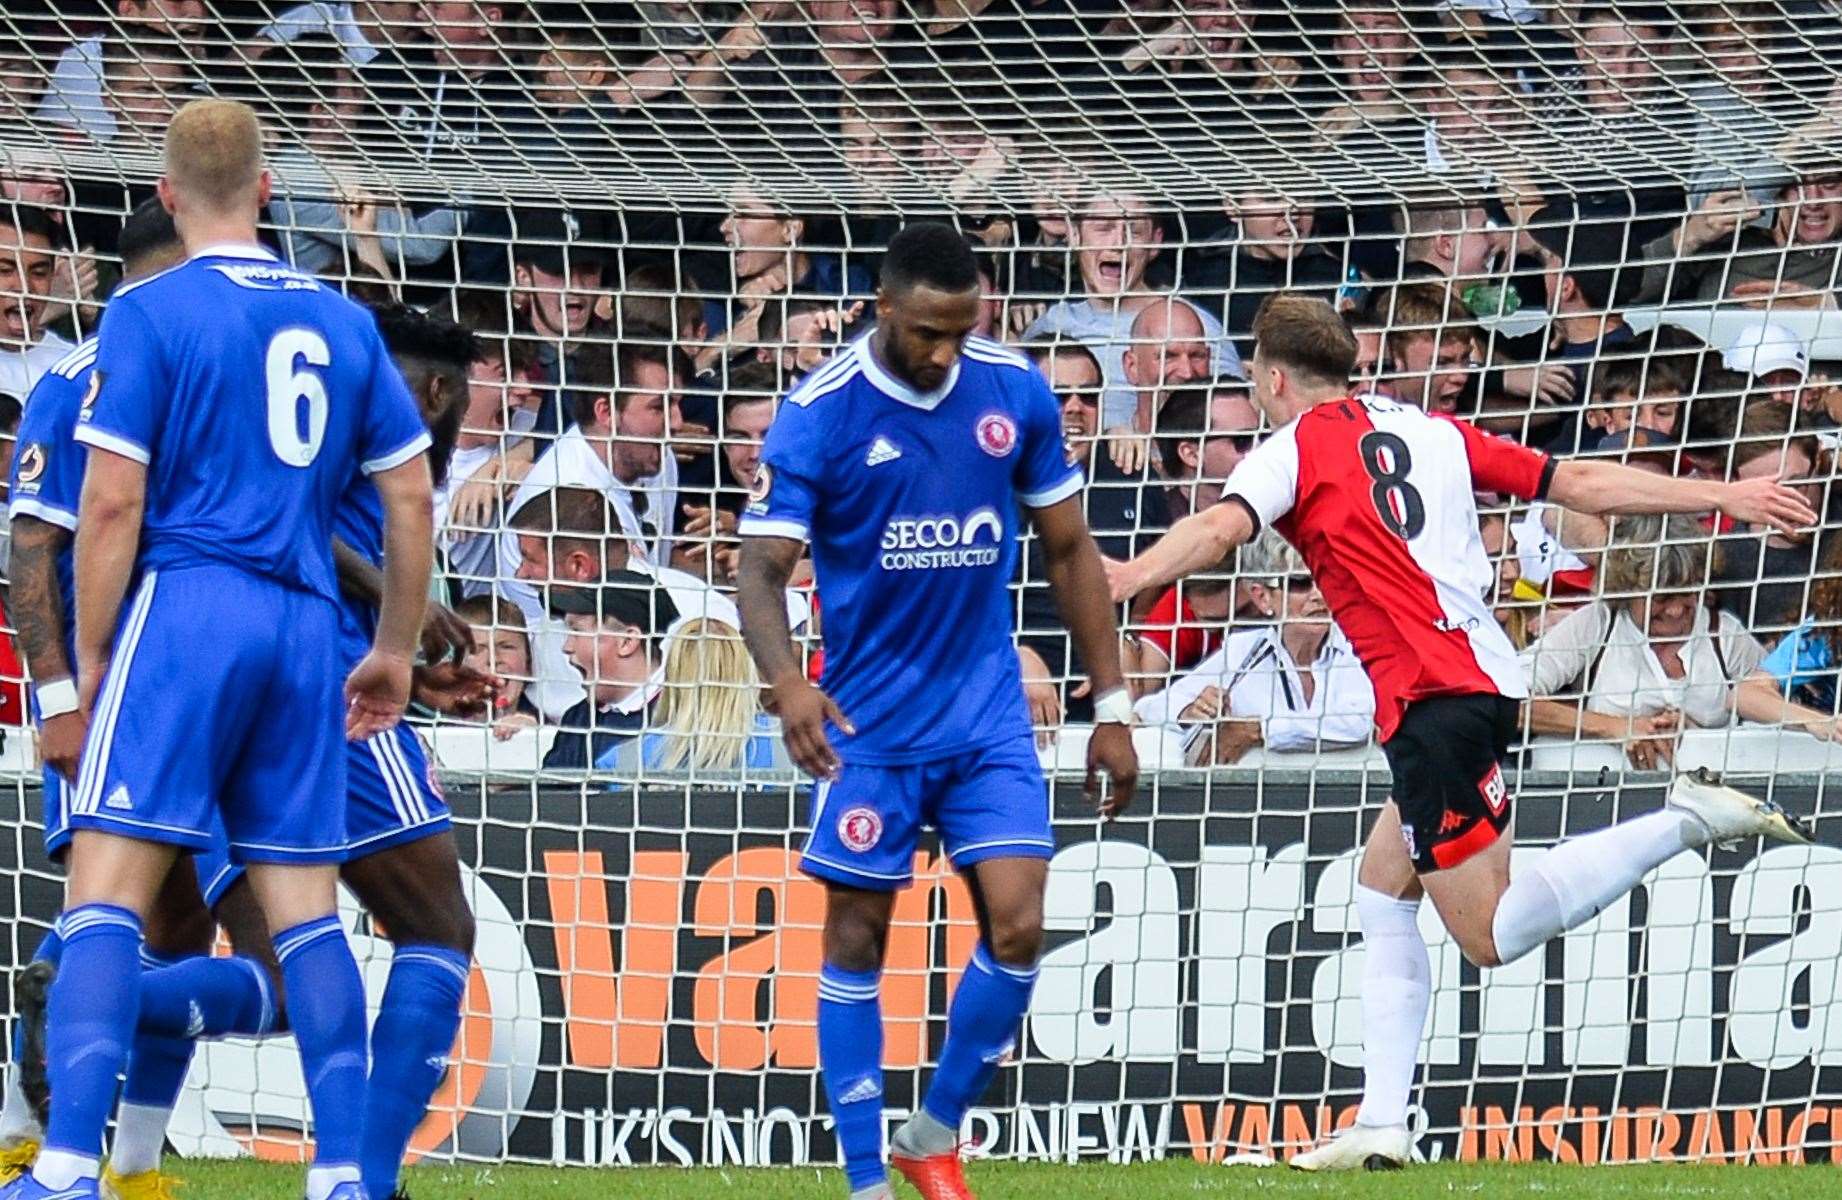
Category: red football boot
[936,1177]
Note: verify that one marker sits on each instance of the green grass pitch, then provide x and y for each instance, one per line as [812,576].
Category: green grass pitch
[1036,1181]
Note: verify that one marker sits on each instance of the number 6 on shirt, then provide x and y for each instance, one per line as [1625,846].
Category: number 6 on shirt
[290,383]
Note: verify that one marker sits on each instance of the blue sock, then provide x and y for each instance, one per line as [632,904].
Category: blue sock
[410,1044]
[851,1060]
[157,1067]
[92,1010]
[202,997]
[326,1006]
[981,1029]
[156,1063]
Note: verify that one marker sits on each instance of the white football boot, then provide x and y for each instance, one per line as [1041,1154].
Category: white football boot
[1360,1147]
[1730,815]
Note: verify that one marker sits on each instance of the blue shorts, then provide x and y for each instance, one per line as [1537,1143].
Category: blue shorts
[224,696]
[391,798]
[990,802]
[57,815]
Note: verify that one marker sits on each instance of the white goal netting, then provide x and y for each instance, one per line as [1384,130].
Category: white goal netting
[1598,229]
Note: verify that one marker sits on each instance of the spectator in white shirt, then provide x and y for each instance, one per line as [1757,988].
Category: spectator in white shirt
[492,449]
[1116,238]
[75,95]
[628,403]
[28,264]
[1293,685]
[1652,656]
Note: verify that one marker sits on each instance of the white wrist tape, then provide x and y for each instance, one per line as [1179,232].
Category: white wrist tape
[1114,708]
[56,698]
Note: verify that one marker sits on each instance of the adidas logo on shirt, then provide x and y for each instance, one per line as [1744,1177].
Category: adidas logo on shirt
[882,450]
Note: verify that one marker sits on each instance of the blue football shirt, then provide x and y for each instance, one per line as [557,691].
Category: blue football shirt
[47,478]
[252,392]
[359,523]
[910,503]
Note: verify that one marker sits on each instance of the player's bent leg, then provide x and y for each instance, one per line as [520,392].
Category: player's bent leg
[326,1009]
[413,891]
[113,883]
[1466,895]
[1573,881]
[982,1023]
[994,824]
[178,930]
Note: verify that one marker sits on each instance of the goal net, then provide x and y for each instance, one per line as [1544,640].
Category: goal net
[1601,230]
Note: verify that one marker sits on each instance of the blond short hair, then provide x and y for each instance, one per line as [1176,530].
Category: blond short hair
[213,153]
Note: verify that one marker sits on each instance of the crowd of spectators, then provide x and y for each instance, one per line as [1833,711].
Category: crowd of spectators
[1547,189]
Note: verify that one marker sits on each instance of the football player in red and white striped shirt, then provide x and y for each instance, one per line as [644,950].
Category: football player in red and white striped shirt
[1378,498]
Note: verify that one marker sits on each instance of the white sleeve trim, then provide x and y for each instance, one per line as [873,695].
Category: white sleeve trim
[399,456]
[50,514]
[114,443]
[1053,495]
[773,527]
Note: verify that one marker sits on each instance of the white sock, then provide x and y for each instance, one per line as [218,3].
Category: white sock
[1397,988]
[1572,882]
[140,1138]
[59,1169]
[18,1123]
[322,1180]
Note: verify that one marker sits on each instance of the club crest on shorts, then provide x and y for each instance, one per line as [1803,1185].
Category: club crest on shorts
[1494,790]
[1407,836]
[997,434]
[860,828]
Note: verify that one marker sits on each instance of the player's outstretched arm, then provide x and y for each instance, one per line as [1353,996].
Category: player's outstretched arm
[1603,487]
[1197,542]
[108,534]
[1072,563]
[761,598]
[378,689]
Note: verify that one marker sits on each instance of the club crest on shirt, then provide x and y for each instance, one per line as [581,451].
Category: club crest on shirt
[860,828]
[31,465]
[759,489]
[997,434]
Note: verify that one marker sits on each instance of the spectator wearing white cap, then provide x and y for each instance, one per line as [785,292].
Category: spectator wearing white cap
[1774,357]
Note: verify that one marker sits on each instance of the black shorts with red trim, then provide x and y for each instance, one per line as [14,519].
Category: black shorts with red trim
[1447,759]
